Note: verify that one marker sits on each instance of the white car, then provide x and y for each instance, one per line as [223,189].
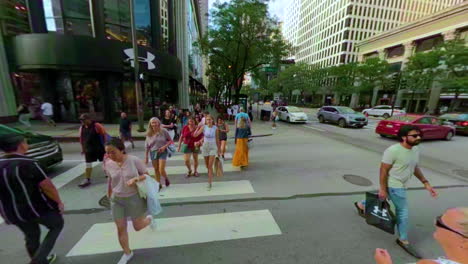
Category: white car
[384,111]
[291,114]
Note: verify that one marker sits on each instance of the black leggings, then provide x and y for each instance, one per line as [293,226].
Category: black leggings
[32,234]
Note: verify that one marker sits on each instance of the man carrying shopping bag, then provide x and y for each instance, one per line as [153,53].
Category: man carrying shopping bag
[399,163]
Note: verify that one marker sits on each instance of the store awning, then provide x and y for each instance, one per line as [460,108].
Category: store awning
[197,86]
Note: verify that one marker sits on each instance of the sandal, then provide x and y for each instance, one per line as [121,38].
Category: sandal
[196,174]
[359,210]
[189,174]
[409,249]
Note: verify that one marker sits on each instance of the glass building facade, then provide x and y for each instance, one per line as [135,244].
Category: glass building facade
[79,57]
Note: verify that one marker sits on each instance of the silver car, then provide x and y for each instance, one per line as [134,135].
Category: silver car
[343,116]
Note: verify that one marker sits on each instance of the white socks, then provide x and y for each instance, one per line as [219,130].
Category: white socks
[125,258]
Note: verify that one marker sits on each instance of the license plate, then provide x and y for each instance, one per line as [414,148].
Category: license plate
[390,126]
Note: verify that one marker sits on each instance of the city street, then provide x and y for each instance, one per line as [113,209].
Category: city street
[291,205]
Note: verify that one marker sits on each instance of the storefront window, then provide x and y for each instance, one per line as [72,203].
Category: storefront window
[117,19]
[88,97]
[143,22]
[75,19]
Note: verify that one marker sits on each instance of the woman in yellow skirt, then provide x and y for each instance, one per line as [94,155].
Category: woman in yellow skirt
[241,154]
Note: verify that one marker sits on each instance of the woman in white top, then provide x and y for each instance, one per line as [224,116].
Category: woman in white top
[211,145]
[452,235]
[229,112]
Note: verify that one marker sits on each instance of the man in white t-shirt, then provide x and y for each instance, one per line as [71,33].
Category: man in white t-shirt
[399,164]
[47,111]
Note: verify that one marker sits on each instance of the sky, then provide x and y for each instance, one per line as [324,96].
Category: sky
[277,7]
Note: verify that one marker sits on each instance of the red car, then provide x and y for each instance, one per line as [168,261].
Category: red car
[431,127]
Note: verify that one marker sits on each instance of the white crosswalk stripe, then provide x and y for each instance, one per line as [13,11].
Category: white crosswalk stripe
[101,238]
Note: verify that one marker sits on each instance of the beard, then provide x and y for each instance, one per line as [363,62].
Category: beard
[414,143]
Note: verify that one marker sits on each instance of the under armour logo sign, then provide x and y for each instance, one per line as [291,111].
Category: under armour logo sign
[382,212]
[148,60]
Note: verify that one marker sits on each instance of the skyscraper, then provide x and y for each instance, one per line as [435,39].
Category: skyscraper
[327,30]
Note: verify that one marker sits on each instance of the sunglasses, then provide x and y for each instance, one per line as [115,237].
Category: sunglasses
[441,224]
[415,135]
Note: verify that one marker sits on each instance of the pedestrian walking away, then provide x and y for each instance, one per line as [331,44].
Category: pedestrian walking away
[24,115]
[169,123]
[47,113]
[124,172]
[29,199]
[93,136]
[125,129]
[250,112]
[274,118]
[241,153]
[229,112]
[188,145]
[157,141]
[451,233]
[210,146]
[185,117]
[399,164]
[223,128]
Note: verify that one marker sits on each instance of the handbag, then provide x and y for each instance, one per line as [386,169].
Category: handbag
[219,163]
[379,214]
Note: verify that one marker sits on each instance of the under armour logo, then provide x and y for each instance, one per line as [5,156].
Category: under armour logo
[382,212]
[148,60]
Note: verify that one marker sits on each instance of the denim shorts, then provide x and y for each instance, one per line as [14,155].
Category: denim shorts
[155,155]
[209,149]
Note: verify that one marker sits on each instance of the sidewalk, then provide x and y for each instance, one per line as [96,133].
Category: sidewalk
[69,132]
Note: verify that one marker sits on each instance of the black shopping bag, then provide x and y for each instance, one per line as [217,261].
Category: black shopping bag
[378,213]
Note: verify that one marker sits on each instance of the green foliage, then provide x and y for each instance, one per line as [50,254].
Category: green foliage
[241,38]
[373,72]
[454,58]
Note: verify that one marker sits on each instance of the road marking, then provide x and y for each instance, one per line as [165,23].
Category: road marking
[102,238]
[314,128]
[182,170]
[71,174]
[199,189]
[200,157]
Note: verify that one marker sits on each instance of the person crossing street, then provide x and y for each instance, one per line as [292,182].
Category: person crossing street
[399,164]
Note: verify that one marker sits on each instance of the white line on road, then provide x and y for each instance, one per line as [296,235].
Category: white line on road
[314,128]
[102,238]
[171,170]
[200,157]
[199,189]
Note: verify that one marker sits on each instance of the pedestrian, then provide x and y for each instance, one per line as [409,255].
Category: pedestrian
[241,153]
[451,232]
[157,141]
[168,123]
[235,110]
[28,199]
[223,128]
[250,112]
[185,118]
[211,145]
[47,113]
[24,115]
[274,118]
[124,172]
[399,164]
[202,122]
[229,112]
[187,146]
[93,137]
[125,129]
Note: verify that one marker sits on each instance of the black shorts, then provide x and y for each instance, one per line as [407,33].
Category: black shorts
[94,156]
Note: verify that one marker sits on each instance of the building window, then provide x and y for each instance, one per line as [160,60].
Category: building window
[143,22]
[53,16]
[395,51]
[77,18]
[15,17]
[429,43]
[117,20]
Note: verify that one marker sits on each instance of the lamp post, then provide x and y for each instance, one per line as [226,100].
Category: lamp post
[136,67]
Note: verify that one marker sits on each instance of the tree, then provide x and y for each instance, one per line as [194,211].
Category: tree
[243,35]
[373,72]
[345,76]
[454,61]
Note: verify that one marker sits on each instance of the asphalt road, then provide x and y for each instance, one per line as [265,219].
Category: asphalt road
[291,205]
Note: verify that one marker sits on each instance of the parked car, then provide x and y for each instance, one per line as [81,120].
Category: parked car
[459,120]
[343,116]
[43,148]
[292,114]
[384,111]
[431,127]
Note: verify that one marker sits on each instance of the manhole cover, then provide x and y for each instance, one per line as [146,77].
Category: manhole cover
[357,180]
[463,173]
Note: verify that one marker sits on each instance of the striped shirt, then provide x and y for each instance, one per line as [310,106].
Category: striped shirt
[21,198]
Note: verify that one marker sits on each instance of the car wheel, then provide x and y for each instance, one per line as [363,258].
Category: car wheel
[342,123]
[449,136]
[386,116]
[382,135]
[288,120]
[321,119]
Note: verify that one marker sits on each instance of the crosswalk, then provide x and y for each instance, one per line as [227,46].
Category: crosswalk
[101,238]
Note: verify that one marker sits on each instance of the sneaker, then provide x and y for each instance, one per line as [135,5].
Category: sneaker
[85,183]
[153,222]
[409,249]
[125,258]
[51,258]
